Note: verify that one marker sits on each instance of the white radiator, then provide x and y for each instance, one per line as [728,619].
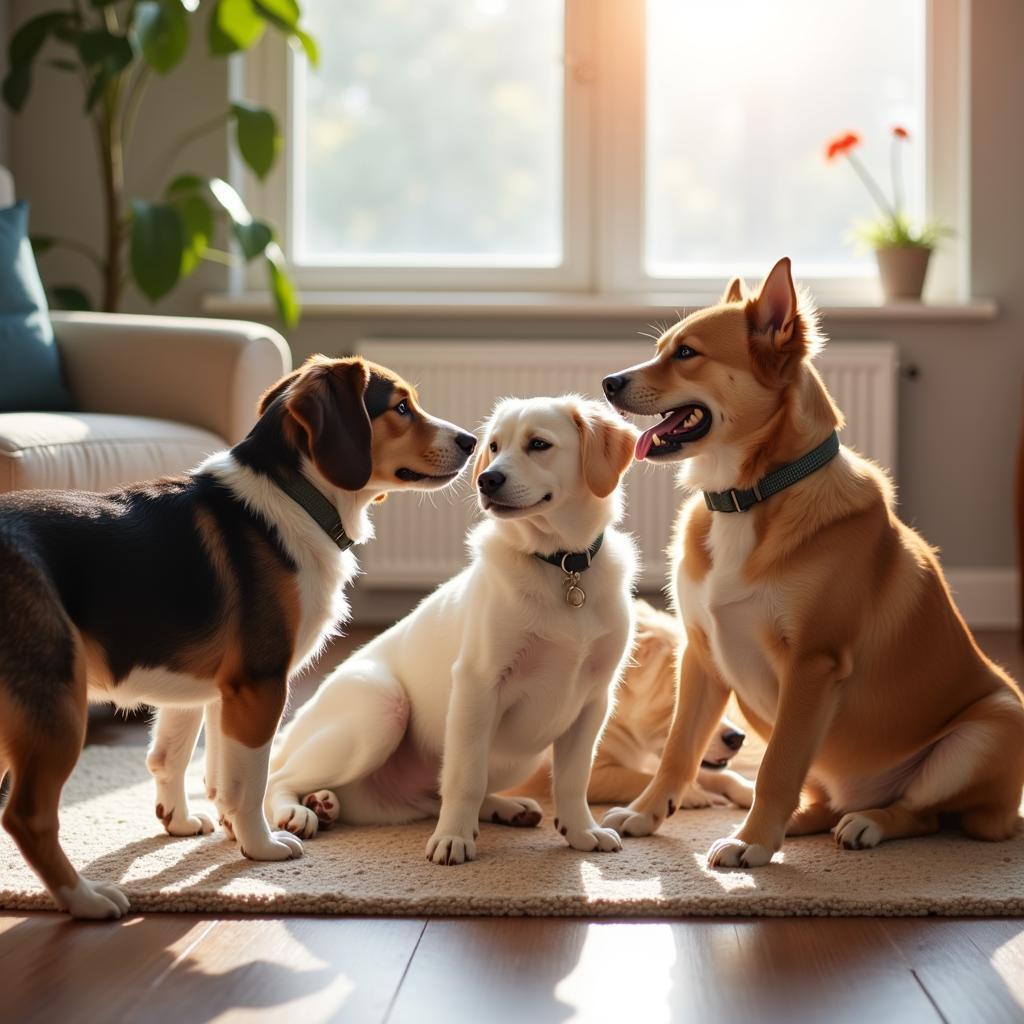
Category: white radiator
[420,538]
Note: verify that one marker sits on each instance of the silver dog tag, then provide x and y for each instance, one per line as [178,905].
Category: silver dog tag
[574,593]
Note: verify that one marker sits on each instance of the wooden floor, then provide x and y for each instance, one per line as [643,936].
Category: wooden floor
[195,968]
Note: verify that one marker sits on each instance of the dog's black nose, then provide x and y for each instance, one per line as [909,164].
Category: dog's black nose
[467,442]
[614,383]
[733,739]
[491,481]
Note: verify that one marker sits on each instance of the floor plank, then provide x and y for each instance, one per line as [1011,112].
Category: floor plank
[56,969]
[297,968]
[659,972]
[973,969]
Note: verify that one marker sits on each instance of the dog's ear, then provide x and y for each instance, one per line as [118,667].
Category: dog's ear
[327,402]
[607,445]
[735,290]
[778,336]
[275,391]
[774,307]
[483,460]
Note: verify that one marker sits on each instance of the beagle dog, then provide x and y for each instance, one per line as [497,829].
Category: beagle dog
[200,593]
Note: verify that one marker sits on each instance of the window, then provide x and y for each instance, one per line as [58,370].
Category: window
[612,146]
[431,135]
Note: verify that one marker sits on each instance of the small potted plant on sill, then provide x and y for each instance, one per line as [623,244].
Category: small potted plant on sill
[902,251]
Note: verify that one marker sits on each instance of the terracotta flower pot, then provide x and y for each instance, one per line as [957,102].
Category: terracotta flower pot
[902,270]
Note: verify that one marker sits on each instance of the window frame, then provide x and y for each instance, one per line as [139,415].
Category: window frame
[604,172]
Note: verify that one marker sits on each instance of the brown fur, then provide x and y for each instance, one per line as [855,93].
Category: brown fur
[880,690]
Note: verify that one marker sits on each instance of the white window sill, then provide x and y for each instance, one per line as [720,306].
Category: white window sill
[565,305]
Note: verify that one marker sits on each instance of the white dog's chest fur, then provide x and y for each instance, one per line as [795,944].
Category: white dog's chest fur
[733,613]
[550,681]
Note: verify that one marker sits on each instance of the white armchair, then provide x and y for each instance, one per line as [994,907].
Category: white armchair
[153,395]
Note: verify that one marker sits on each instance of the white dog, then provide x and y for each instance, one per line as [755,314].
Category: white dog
[521,650]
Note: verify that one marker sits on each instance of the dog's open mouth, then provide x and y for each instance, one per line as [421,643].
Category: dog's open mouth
[411,476]
[715,766]
[680,426]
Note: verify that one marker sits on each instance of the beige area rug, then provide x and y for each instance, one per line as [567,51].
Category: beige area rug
[110,832]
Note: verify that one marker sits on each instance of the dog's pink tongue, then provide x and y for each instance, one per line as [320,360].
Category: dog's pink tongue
[666,426]
[644,442]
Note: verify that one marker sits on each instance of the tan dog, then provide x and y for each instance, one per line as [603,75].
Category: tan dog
[634,737]
[828,617]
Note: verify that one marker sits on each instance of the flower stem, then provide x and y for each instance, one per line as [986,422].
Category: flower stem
[872,186]
[897,174]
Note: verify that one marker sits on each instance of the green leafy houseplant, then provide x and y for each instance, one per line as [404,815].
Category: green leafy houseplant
[114,47]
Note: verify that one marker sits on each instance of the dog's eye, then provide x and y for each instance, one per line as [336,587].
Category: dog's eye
[402,408]
[685,352]
[538,445]
[493,446]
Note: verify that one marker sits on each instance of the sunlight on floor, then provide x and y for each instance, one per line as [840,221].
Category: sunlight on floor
[1007,961]
[645,951]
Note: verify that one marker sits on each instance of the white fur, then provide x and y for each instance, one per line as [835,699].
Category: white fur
[486,673]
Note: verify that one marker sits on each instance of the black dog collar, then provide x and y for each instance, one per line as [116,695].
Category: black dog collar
[570,561]
[322,511]
[778,480]
[573,563]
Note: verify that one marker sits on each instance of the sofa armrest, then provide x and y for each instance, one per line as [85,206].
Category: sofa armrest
[209,373]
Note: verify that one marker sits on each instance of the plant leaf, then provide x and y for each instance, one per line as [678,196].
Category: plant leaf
[281,286]
[16,86]
[29,39]
[309,46]
[99,83]
[197,228]
[253,237]
[257,136]
[284,13]
[98,47]
[235,25]
[42,243]
[24,46]
[160,28]
[157,245]
[229,200]
[183,184]
[70,297]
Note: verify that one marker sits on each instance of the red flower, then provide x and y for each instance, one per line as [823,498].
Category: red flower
[841,145]
[900,132]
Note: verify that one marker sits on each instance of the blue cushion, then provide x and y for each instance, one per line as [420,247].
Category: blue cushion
[30,377]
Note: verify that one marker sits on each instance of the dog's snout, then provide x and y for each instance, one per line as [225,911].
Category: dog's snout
[491,481]
[614,383]
[467,442]
[733,738]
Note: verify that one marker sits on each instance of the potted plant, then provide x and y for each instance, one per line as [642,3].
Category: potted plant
[114,47]
[902,250]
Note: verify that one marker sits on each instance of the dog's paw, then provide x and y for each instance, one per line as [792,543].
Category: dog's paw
[627,822]
[298,820]
[93,901]
[693,797]
[517,811]
[595,837]
[274,846]
[447,849]
[229,829]
[735,853]
[178,824]
[857,832]
[324,804]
